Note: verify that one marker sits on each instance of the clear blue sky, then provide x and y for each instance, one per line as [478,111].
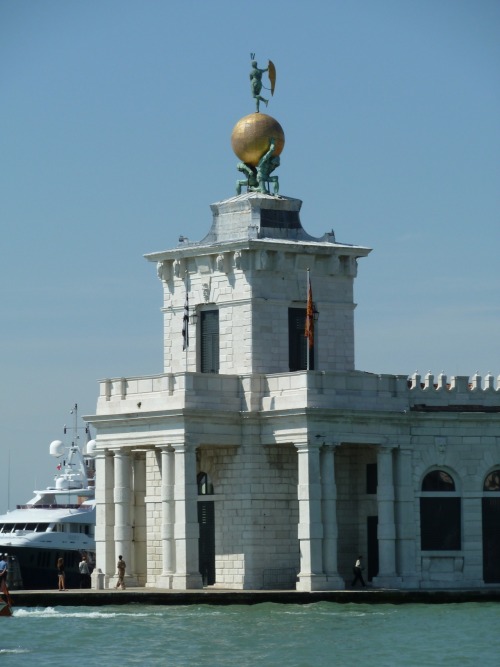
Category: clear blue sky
[115,124]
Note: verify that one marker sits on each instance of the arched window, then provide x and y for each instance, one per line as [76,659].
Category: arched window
[440,513]
[492,481]
[438,480]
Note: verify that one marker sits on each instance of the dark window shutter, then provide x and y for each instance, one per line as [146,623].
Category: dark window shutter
[297,342]
[209,341]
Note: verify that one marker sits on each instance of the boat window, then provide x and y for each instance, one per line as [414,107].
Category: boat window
[30,526]
[42,527]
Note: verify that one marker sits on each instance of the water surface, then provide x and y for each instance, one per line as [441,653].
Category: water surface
[323,634]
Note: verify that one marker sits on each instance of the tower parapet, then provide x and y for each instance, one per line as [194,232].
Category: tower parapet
[459,394]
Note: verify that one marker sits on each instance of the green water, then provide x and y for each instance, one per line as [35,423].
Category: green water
[264,635]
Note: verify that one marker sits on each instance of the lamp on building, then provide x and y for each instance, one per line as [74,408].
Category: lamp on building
[193,317]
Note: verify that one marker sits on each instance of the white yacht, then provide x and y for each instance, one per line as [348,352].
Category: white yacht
[57,522]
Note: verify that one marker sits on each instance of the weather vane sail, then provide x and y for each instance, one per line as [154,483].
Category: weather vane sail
[256,81]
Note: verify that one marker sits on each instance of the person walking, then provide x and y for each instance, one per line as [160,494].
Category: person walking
[121,566]
[358,570]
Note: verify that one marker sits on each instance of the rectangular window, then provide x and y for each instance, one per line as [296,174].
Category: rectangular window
[440,524]
[209,320]
[297,342]
[371,478]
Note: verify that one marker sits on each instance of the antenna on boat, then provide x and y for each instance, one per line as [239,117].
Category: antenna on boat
[75,420]
[8,482]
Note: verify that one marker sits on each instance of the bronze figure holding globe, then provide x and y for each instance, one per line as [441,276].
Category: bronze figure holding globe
[258,139]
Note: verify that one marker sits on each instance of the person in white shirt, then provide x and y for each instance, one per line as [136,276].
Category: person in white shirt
[357,570]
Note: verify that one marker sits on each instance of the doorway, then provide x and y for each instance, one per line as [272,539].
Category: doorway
[491,540]
[206,543]
[372,545]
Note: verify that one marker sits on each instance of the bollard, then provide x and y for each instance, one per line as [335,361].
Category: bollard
[98,579]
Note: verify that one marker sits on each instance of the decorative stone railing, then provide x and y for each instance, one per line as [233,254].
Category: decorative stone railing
[311,389]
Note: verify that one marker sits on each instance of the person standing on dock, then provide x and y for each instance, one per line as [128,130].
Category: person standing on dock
[83,566]
[358,570]
[60,575]
[4,567]
[121,566]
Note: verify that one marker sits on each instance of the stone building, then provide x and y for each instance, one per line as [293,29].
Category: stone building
[238,467]
[262,458]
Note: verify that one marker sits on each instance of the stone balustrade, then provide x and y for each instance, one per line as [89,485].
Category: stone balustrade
[312,389]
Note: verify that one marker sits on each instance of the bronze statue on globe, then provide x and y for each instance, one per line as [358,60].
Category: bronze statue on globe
[258,139]
[256,81]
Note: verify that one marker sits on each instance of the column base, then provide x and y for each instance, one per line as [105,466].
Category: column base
[319,582]
[163,581]
[387,581]
[130,581]
[410,581]
[185,582]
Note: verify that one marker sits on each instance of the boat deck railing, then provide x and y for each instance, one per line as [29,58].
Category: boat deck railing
[83,508]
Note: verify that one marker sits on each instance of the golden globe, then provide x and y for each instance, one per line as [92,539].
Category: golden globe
[252,134]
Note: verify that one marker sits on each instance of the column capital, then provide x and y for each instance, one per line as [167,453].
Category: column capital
[165,448]
[332,444]
[103,453]
[121,452]
[186,447]
[307,445]
[386,448]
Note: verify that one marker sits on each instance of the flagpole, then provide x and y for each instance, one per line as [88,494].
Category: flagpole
[185,322]
[307,315]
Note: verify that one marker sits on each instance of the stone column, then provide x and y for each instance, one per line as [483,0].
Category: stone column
[386,520]
[329,514]
[138,516]
[167,516]
[122,499]
[186,529]
[310,530]
[405,520]
[105,519]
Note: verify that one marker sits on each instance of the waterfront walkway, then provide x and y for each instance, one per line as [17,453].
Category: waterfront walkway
[212,596]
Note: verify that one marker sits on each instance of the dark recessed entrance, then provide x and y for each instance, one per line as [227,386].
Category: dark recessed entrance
[206,522]
[491,540]
[372,540]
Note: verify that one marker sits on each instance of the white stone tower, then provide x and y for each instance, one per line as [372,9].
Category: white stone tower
[249,275]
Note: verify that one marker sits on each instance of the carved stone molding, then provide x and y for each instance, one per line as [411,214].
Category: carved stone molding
[205,287]
[164,270]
